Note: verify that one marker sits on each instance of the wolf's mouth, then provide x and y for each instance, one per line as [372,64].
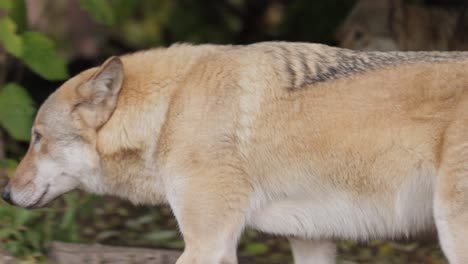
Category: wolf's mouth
[39,200]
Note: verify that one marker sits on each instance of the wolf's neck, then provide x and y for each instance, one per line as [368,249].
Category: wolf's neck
[151,78]
[128,142]
[128,146]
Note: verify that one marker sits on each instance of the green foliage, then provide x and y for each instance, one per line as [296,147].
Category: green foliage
[37,51]
[16,111]
[100,10]
[17,238]
[6,4]
[255,249]
[39,54]
[18,13]
[27,232]
[11,41]
[8,166]
[124,9]
[310,20]
[161,237]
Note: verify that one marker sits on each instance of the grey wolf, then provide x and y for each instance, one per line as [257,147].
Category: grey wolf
[301,140]
[387,25]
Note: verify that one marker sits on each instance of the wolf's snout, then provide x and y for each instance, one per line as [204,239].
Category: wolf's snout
[6,194]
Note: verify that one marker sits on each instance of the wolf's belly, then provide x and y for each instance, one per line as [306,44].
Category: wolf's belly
[346,216]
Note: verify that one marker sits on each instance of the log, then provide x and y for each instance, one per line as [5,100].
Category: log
[69,253]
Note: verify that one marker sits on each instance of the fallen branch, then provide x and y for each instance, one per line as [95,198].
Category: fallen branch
[67,253]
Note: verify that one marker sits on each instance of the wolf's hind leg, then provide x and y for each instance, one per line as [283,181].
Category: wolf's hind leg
[317,252]
[451,194]
[451,215]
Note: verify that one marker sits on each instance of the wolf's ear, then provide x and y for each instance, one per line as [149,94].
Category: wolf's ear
[98,96]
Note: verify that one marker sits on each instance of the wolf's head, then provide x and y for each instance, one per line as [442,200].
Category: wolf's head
[369,26]
[62,155]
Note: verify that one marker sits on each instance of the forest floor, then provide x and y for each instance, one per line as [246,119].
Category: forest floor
[124,224]
[111,221]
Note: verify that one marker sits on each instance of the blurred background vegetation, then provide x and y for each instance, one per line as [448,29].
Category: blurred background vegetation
[43,42]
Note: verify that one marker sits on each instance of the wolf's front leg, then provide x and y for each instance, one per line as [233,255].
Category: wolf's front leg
[308,251]
[210,210]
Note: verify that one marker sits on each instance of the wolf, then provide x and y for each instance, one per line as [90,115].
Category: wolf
[387,25]
[306,141]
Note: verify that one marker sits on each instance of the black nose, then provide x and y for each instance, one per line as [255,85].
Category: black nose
[6,195]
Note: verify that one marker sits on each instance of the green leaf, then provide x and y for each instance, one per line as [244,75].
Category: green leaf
[178,244]
[6,4]
[9,232]
[18,14]
[8,166]
[34,238]
[72,200]
[40,56]
[8,163]
[8,37]
[255,249]
[13,247]
[100,10]
[22,217]
[16,111]
[160,236]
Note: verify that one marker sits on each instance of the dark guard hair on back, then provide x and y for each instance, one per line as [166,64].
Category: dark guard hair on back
[305,64]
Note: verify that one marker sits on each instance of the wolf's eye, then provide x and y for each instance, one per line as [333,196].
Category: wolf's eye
[358,35]
[36,137]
